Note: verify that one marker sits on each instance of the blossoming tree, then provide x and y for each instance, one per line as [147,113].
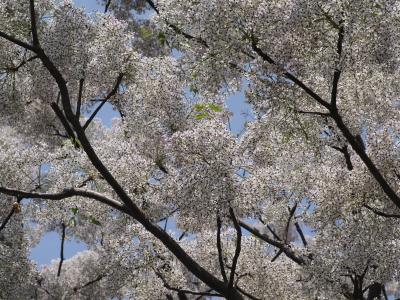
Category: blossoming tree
[303,205]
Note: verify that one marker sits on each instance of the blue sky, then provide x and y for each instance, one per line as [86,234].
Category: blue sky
[49,247]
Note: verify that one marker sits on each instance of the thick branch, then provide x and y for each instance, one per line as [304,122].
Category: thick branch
[35,38]
[359,149]
[132,209]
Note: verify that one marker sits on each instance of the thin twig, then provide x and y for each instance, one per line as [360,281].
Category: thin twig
[277,255]
[107,6]
[167,286]
[98,278]
[381,213]
[291,213]
[247,294]
[301,234]
[62,249]
[110,94]
[79,101]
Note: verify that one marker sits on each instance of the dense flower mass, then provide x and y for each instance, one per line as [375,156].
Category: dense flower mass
[303,204]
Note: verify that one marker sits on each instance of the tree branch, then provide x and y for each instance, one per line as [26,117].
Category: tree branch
[336,74]
[219,248]
[18,42]
[66,193]
[291,213]
[98,278]
[167,286]
[381,213]
[65,123]
[10,214]
[322,114]
[285,248]
[131,208]
[110,94]
[107,6]
[35,38]
[301,234]
[238,246]
[62,249]
[79,101]
[289,75]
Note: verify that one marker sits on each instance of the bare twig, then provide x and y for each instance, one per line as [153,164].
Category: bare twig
[381,213]
[98,278]
[301,234]
[62,249]
[291,214]
[79,101]
[110,94]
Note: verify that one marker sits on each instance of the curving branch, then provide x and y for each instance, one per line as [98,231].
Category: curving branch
[66,193]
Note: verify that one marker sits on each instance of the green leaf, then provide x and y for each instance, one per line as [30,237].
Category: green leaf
[200,107]
[146,33]
[161,38]
[72,222]
[95,221]
[74,210]
[201,116]
[214,107]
